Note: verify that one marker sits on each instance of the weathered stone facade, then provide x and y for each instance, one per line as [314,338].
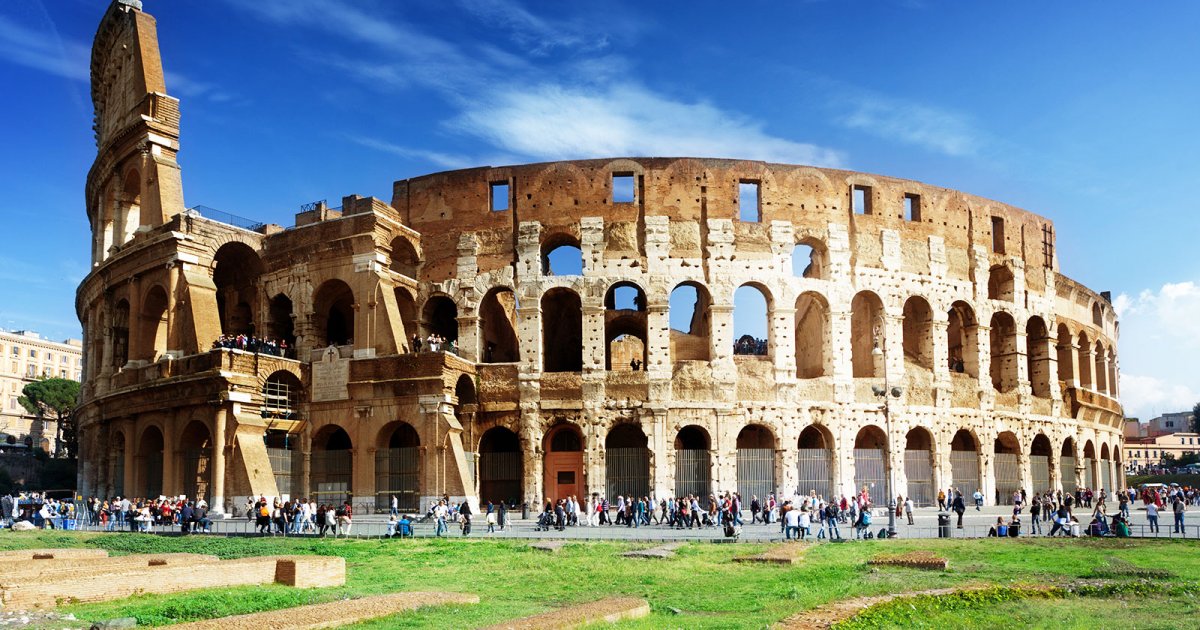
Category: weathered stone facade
[1004,371]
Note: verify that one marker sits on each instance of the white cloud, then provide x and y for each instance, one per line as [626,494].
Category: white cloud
[554,122]
[444,160]
[535,34]
[933,128]
[1159,345]
[43,51]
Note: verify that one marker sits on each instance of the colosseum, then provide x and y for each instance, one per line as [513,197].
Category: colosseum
[913,334]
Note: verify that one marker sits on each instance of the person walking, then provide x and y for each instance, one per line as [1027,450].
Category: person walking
[1152,517]
[978,496]
[395,506]
[908,509]
[941,500]
[960,507]
[439,515]
[1178,507]
[1035,516]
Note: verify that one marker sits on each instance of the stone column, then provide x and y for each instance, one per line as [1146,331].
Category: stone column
[173,344]
[658,333]
[783,342]
[216,501]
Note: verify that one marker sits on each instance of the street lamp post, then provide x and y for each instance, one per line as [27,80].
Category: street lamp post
[887,393]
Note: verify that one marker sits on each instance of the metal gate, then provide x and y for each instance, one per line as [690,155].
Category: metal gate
[692,473]
[814,472]
[331,475]
[152,475]
[1067,473]
[397,473]
[869,472]
[500,477]
[1039,468]
[627,472]
[195,472]
[1106,475]
[918,467]
[964,472]
[1008,477]
[1089,473]
[755,473]
[285,464]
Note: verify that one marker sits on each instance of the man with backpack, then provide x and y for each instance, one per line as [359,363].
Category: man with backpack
[960,507]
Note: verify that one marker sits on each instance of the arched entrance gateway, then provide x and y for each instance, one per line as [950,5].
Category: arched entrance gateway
[1039,463]
[332,465]
[195,447]
[814,462]
[964,463]
[693,467]
[1089,466]
[626,462]
[918,466]
[1106,472]
[1007,467]
[870,467]
[398,467]
[1066,466]
[500,467]
[150,466]
[563,462]
[755,462]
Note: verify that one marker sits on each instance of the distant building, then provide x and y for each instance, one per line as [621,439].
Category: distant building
[24,358]
[1165,424]
[1149,451]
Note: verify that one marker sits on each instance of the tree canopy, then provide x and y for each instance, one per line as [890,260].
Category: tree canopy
[1196,418]
[55,399]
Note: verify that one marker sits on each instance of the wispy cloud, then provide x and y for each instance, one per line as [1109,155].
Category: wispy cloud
[42,51]
[1160,337]
[923,125]
[445,160]
[537,35]
[558,122]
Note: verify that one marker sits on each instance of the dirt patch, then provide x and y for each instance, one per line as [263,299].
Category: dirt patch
[659,552]
[609,610]
[551,546]
[835,612]
[786,553]
[332,614]
[913,560]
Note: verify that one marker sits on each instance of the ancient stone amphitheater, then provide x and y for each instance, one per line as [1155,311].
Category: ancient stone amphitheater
[908,329]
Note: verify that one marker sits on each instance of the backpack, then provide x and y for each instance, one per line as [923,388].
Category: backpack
[264,511]
[866,517]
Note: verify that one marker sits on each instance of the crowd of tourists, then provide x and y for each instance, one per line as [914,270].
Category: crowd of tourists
[434,343]
[41,511]
[750,345]
[301,516]
[250,343]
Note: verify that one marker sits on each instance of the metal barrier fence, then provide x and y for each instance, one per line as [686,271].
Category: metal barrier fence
[869,472]
[755,472]
[397,473]
[1008,477]
[627,472]
[692,467]
[1039,467]
[964,472]
[814,472]
[1067,466]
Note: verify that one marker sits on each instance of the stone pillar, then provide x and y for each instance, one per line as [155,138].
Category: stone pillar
[135,345]
[658,331]
[1087,367]
[1056,476]
[216,501]
[1024,465]
[595,349]
[171,456]
[654,423]
[987,460]
[983,349]
[1022,359]
[173,344]
[783,342]
[724,451]
[128,482]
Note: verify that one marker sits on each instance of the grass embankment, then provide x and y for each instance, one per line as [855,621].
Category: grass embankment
[702,581]
[1183,480]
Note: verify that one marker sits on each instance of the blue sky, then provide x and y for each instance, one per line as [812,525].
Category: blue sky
[1085,113]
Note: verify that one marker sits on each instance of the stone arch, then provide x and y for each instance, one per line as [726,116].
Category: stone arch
[404,257]
[625,326]
[815,462]
[962,339]
[128,213]
[1089,465]
[283,393]
[1003,340]
[332,464]
[810,259]
[1100,361]
[398,466]
[440,317]
[333,314]
[281,322]
[1037,356]
[406,304]
[464,390]
[1084,351]
[562,255]
[116,463]
[1097,315]
[236,270]
[1007,466]
[918,332]
[1068,464]
[964,462]
[756,461]
[1001,284]
[691,324]
[693,462]
[813,351]
[626,462]
[150,451]
[498,326]
[152,324]
[871,455]
[562,331]
[120,333]
[746,320]
[501,467]
[919,465]
[195,451]
[1066,353]
[866,314]
[563,447]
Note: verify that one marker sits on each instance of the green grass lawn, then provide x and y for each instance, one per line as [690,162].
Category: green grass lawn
[702,583]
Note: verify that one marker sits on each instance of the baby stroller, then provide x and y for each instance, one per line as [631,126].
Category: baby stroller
[544,523]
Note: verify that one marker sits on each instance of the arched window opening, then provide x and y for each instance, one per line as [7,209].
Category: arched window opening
[1037,340]
[962,337]
[1067,466]
[815,463]
[1004,352]
[1007,467]
[333,317]
[561,256]
[808,260]
[332,465]
[195,449]
[282,393]
[129,207]
[918,333]
[755,462]
[441,321]
[1097,315]
[565,439]
[1066,355]
[870,463]
[1089,465]
[398,467]
[408,314]
[626,462]
[153,329]
[464,390]
[866,315]
[404,257]
[1085,361]
[691,322]
[1001,284]
[236,272]
[692,463]
[751,321]
[812,335]
[498,324]
[625,327]
[964,463]
[282,323]
[501,467]
[562,331]
[918,466]
[1101,362]
[120,330]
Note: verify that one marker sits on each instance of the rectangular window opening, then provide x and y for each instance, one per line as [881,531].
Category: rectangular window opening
[860,199]
[499,196]
[749,203]
[623,190]
[998,235]
[912,207]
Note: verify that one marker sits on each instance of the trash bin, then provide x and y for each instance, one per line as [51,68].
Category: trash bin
[525,511]
[943,524]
